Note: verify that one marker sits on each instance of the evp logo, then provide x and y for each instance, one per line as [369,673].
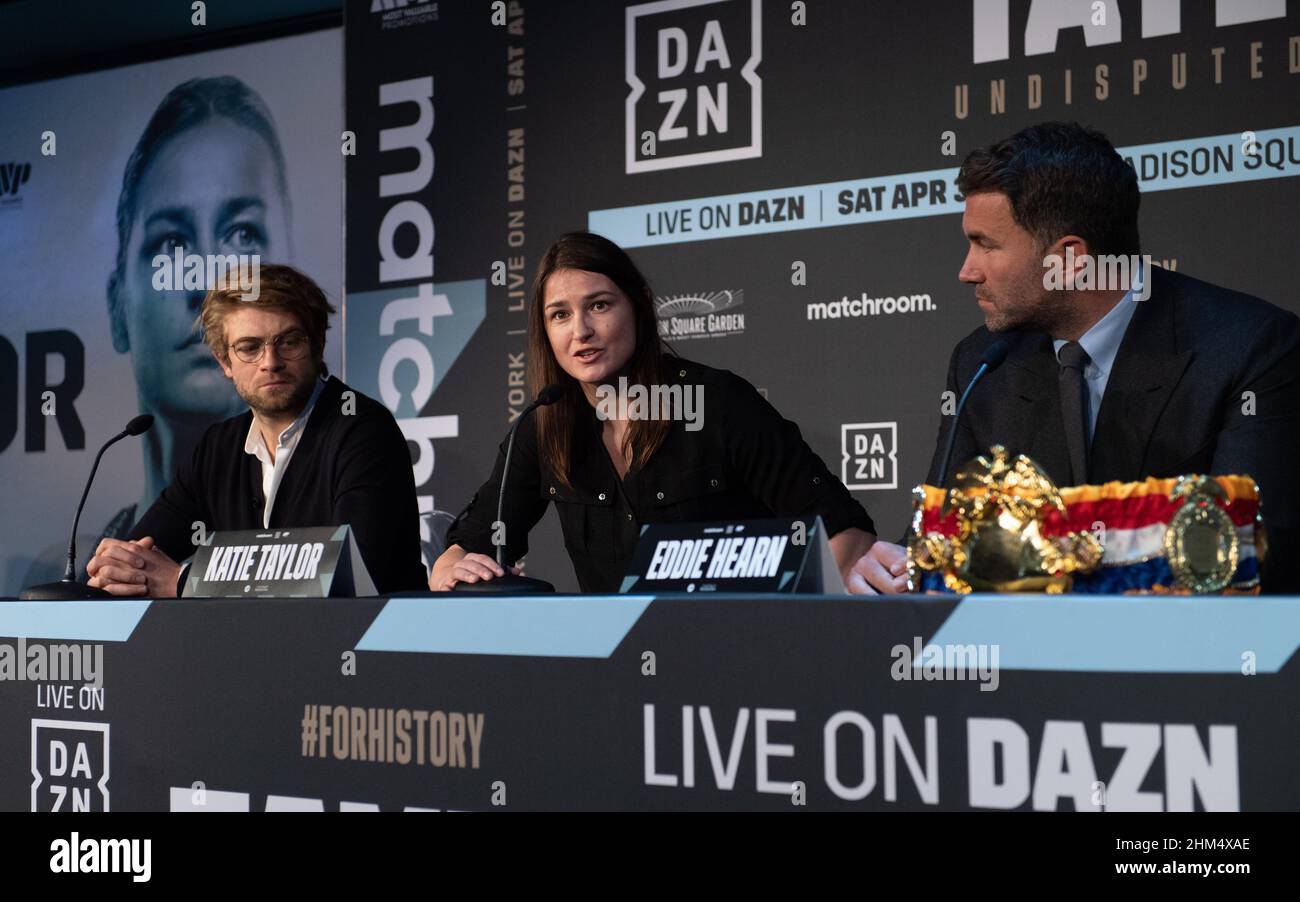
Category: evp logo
[695,95]
[69,765]
[869,455]
[12,177]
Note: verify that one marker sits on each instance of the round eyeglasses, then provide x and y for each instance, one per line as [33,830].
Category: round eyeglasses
[289,346]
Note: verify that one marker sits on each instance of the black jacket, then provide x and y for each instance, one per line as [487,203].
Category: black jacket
[351,468]
[1176,402]
[746,461]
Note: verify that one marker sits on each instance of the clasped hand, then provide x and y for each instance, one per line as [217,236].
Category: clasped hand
[133,568]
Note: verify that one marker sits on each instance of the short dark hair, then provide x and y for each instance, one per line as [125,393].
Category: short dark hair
[1062,179]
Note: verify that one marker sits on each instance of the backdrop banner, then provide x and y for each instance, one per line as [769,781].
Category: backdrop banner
[784,175]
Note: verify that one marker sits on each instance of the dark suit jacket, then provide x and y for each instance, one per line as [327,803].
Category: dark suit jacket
[1175,403]
[348,468]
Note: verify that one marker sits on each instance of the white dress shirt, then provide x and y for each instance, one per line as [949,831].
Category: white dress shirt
[273,471]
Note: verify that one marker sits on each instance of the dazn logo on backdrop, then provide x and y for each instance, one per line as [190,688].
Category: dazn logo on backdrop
[869,455]
[695,97]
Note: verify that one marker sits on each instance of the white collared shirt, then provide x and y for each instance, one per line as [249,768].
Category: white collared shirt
[273,471]
[1102,342]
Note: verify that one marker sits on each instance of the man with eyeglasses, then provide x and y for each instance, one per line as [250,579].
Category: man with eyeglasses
[309,451]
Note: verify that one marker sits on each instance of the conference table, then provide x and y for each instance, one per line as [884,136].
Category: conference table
[637,702]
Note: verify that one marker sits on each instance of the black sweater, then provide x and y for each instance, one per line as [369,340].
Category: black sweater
[745,461]
[351,468]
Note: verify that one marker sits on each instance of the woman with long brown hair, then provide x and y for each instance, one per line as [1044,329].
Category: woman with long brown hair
[638,436]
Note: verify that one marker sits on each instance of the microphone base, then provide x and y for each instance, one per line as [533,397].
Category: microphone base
[506,585]
[63,590]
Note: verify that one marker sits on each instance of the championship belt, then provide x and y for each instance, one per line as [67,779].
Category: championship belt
[1005,527]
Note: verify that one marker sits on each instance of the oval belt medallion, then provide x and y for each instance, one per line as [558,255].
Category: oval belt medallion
[1201,541]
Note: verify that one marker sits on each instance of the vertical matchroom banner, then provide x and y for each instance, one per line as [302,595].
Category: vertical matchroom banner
[228,152]
[784,175]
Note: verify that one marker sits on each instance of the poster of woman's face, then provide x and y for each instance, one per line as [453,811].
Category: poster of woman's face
[214,188]
[206,178]
[193,160]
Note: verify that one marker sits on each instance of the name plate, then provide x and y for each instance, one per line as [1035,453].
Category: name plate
[314,562]
[773,555]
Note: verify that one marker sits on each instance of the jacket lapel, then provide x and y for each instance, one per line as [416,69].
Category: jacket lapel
[1037,429]
[1147,369]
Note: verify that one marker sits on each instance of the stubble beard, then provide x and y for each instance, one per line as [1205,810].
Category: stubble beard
[1029,311]
[293,403]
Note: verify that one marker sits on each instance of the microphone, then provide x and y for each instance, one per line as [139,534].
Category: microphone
[990,360]
[68,588]
[510,583]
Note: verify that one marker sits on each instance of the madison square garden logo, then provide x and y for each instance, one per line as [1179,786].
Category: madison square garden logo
[696,96]
[69,765]
[869,455]
[708,314]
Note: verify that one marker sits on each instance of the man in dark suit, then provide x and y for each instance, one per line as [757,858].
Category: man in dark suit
[308,452]
[1157,377]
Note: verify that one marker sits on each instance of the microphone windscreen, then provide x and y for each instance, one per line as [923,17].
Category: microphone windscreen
[139,424]
[994,354]
[550,394]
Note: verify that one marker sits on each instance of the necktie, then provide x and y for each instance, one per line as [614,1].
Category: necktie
[1074,408]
